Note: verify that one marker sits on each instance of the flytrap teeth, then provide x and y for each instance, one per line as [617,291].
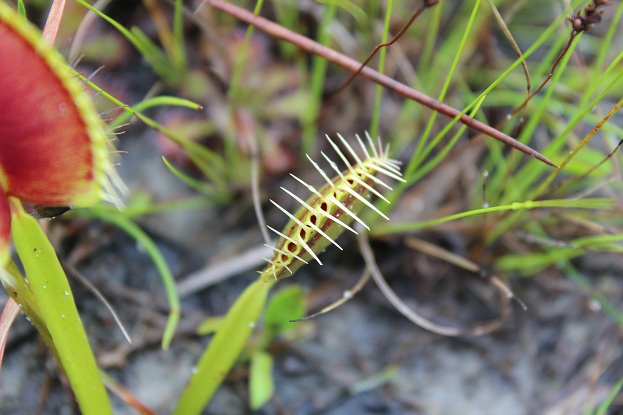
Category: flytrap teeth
[331,209]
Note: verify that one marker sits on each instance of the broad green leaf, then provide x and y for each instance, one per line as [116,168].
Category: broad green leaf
[53,297]
[287,304]
[224,349]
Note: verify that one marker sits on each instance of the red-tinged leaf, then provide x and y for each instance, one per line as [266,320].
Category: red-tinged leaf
[53,150]
[5,229]
[11,310]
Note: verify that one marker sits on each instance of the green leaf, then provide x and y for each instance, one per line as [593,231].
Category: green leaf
[21,9]
[19,289]
[224,349]
[588,203]
[159,101]
[155,56]
[603,408]
[287,304]
[191,182]
[210,325]
[261,385]
[351,7]
[55,302]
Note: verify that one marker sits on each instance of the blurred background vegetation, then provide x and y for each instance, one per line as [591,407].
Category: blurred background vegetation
[472,214]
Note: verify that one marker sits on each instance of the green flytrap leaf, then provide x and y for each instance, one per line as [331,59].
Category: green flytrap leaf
[210,325]
[351,7]
[589,203]
[535,262]
[54,304]
[189,181]
[154,102]
[224,349]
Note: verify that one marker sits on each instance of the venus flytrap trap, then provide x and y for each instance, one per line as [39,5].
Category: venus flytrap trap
[330,210]
[321,219]
[53,152]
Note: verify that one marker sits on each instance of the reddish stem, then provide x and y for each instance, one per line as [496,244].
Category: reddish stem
[53,21]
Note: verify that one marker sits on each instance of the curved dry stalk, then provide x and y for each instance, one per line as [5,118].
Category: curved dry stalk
[346,295]
[466,264]
[215,273]
[255,188]
[96,292]
[308,45]
[400,305]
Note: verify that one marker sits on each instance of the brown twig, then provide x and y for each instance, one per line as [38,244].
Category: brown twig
[547,78]
[352,65]
[392,297]
[346,296]
[582,21]
[401,32]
